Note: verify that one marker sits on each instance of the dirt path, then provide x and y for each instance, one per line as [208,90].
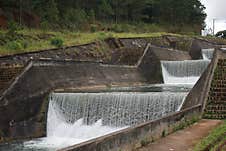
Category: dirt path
[183,140]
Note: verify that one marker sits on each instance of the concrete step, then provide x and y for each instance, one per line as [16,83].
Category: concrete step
[221,95]
[214,116]
[7,75]
[216,107]
[216,102]
[218,89]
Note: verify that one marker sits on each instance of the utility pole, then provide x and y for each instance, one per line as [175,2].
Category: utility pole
[214,26]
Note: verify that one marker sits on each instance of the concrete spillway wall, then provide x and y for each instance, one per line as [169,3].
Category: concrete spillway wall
[27,93]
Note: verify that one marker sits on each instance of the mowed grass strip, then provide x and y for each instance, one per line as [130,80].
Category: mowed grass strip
[213,140]
[35,39]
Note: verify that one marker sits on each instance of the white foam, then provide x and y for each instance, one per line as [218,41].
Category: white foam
[105,109]
[63,134]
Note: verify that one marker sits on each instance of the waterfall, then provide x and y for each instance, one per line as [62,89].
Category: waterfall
[207,54]
[74,118]
[114,109]
[183,72]
[77,117]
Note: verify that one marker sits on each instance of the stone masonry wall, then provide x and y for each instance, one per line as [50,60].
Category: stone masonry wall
[7,74]
[216,102]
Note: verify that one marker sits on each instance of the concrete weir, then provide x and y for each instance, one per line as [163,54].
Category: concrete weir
[28,90]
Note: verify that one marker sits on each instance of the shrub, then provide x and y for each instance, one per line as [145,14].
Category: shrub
[101,35]
[116,28]
[44,25]
[25,44]
[13,27]
[75,16]
[164,133]
[144,142]
[93,28]
[14,45]
[58,42]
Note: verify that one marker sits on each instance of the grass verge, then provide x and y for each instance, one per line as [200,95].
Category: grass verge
[29,40]
[212,142]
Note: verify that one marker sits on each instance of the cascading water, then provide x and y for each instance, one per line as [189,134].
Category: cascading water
[114,109]
[183,72]
[77,117]
[207,54]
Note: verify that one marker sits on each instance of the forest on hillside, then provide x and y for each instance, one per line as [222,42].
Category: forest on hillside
[85,13]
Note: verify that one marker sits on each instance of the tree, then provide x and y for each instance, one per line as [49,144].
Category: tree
[221,34]
[105,10]
[169,12]
[47,9]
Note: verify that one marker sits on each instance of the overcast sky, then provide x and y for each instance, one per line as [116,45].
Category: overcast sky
[215,9]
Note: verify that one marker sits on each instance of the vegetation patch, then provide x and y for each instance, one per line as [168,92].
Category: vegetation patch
[58,42]
[185,123]
[214,140]
[144,142]
[28,40]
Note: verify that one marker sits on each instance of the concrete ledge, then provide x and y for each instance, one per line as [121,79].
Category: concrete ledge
[128,138]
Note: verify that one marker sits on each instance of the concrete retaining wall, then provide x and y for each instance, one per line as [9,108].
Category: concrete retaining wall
[130,139]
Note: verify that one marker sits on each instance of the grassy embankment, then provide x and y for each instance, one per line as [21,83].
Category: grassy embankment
[216,140]
[33,40]
[28,40]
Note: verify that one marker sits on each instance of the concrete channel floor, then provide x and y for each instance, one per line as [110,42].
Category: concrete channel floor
[183,140]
